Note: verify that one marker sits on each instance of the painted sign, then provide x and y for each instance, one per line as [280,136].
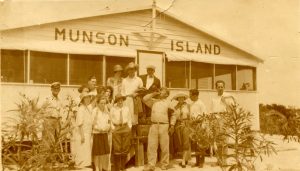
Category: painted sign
[113,39]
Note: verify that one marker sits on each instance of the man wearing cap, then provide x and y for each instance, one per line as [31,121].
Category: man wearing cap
[130,85]
[55,111]
[197,108]
[116,81]
[160,128]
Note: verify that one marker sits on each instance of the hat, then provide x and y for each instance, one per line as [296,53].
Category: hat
[118,68]
[131,65]
[118,97]
[55,85]
[180,95]
[151,67]
[141,90]
[83,95]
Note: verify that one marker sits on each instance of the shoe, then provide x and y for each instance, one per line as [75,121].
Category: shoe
[164,168]
[148,169]
[182,166]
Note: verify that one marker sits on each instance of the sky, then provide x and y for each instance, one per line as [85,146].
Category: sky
[269,29]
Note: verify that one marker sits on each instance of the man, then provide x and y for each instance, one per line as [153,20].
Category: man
[197,108]
[150,81]
[129,86]
[160,128]
[54,114]
[221,103]
[221,100]
[92,82]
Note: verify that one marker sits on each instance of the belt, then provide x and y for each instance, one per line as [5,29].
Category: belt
[159,123]
[52,117]
[120,124]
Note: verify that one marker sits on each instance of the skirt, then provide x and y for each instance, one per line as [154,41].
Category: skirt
[100,144]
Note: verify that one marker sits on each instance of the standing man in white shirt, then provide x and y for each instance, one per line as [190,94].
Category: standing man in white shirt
[197,108]
[160,128]
[130,85]
[220,103]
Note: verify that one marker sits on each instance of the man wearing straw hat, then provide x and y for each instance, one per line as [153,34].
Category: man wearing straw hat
[130,85]
[116,81]
[160,128]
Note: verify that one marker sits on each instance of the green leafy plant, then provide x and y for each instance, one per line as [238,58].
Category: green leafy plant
[24,146]
[237,146]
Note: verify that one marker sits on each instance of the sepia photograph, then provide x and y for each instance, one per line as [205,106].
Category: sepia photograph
[150,85]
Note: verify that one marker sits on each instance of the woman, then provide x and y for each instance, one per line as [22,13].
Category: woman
[83,89]
[116,81]
[101,129]
[181,134]
[109,96]
[121,137]
[83,132]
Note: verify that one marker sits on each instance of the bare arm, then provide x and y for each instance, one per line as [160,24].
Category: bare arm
[148,99]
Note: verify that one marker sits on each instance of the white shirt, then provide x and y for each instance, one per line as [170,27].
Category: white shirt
[101,121]
[55,105]
[130,85]
[196,107]
[149,81]
[218,103]
[115,115]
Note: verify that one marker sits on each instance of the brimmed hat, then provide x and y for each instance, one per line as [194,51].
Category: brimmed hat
[118,68]
[180,95]
[141,90]
[84,95]
[55,85]
[118,97]
[150,67]
[131,65]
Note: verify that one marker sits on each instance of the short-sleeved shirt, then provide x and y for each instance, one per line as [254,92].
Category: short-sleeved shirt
[160,110]
[218,103]
[196,107]
[55,106]
[130,85]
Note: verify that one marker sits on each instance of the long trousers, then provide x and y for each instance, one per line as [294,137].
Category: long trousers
[158,134]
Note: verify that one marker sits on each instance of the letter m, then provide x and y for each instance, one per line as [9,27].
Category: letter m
[59,33]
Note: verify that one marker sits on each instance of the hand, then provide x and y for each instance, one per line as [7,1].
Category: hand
[82,140]
[171,130]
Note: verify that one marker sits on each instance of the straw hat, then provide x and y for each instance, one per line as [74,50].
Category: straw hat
[118,68]
[84,95]
[180,95]
[131,65]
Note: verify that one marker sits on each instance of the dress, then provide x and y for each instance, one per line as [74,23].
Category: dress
[83,150]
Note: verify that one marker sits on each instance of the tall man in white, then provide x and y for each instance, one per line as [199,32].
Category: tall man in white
[160,128]
[129,86]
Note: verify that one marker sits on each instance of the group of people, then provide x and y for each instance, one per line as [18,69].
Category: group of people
[106,119]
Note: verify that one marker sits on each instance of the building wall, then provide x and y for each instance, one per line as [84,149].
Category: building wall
[10,94]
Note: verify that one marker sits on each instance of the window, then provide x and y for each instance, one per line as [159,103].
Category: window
[246,77]
[111,61]
[177,74]
[47,67]
[202,75]
[227,74]
[84,66]
[13,66]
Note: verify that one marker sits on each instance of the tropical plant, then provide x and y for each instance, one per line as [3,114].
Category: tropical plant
[28,140]
[237,146]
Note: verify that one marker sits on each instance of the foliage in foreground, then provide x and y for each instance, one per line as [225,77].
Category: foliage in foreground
[237,147]
[24,146]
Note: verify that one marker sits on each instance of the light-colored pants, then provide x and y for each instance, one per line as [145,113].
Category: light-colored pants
[158,133]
